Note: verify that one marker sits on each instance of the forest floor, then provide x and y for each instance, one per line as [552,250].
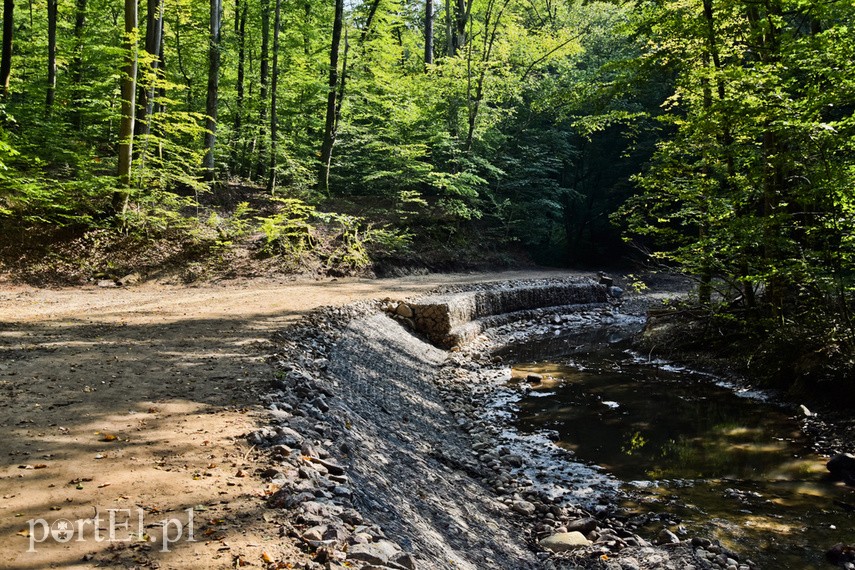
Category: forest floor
[135,401]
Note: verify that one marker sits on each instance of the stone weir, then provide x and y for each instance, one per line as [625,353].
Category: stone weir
[453,319]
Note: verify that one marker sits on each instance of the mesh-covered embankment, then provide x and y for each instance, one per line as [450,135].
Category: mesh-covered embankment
[410,464]
[456,318]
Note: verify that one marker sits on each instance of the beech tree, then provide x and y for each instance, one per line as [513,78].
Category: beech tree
[52,6]
[212,100]
[332,92]
[128,104]
[8,33]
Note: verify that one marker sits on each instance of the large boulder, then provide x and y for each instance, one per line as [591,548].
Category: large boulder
[563,541]
[842,467]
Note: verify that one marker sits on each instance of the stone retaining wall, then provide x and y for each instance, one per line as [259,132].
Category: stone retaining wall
[449,320]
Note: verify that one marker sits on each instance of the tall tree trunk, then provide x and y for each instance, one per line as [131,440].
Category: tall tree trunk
[449,29]
[492,17]
[462,19]
[263,76]
[329,127]
[428,32]
[8,32]
[129,90]
[77,64]
[765,37]
[341,84]
[52,6]
[153,34]
[372,10]
[271,173]
[240,33]
[211,102]
[181,67]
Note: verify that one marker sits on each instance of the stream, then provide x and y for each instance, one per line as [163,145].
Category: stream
[696,455]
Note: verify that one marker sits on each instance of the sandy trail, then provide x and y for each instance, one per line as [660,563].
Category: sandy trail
[135,401]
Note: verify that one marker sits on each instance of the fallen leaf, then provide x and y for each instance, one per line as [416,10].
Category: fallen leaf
[102,485]
[240,473]
[266,557]
[109,437]
[24,532]
[40,466]
[25,467]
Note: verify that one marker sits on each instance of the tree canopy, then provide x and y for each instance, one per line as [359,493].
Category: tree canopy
[716,134]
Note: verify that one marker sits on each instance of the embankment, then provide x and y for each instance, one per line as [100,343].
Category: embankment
[386,450]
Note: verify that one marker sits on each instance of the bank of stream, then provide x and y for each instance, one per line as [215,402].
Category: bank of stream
[694,455]
[389,452]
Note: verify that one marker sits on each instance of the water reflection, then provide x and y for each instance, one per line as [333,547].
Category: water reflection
[732,467]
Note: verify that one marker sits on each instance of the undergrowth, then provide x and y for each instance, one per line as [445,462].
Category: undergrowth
[808,353]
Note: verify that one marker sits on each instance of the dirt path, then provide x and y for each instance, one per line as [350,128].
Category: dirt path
[135,402]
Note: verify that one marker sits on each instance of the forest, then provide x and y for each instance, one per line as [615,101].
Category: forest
[710,137]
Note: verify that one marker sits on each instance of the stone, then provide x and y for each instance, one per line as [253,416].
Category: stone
[564,541]
[405,559]
[404,310]
[332,468]
[513,460]
[584,526]
[315,534]
[380,552]
[524,508]
[129,279]
[842,467]
[665,536]
[289,437]
[321,509]
[360,538]
[840,554]
[351,516]
[336,533]
[283,498]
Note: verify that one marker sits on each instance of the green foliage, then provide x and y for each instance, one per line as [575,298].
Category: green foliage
[289,231]
[344,242]
[751,191]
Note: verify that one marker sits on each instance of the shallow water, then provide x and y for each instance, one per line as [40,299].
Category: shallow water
[725,465]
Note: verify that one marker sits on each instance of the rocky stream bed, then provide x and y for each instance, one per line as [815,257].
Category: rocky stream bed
[388,452]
